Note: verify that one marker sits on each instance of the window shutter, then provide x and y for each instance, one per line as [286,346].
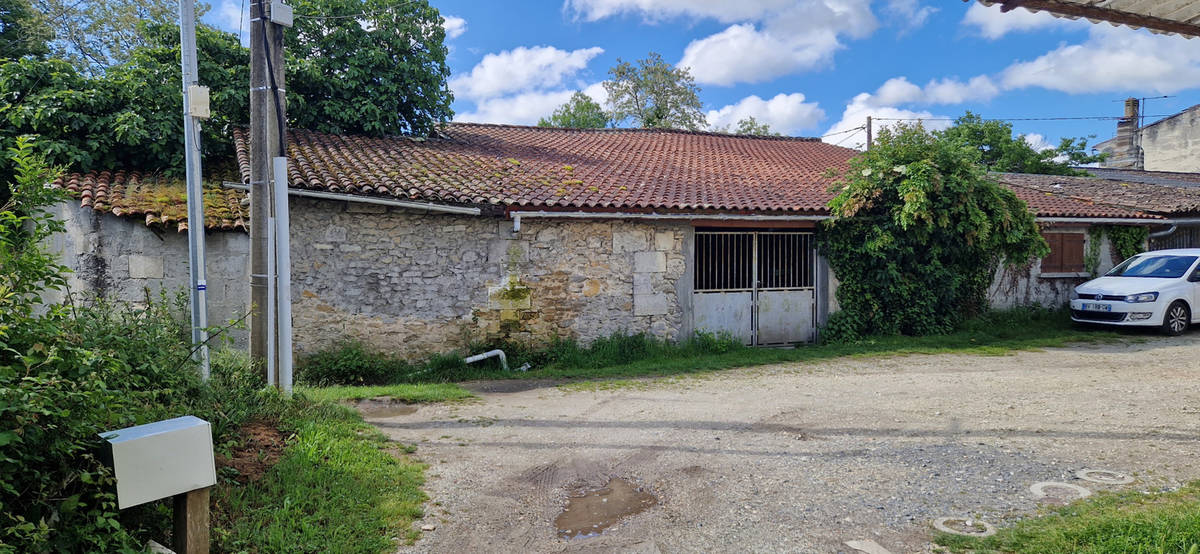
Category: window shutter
[1072,252]
[1052,263]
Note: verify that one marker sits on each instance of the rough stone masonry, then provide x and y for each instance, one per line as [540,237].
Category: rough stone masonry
[413,284]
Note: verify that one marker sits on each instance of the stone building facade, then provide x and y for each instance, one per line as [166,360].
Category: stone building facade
[1169,144]
[412,284]
[417,283]
[123,259]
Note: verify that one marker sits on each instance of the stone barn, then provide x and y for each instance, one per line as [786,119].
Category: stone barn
[417,246]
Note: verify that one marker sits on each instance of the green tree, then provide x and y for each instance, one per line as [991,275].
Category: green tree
[129,118]
[1000,151]
[376,67]
[23,31]
[97,35]
[748,126]
[654,94]
[918,232]
[580,112]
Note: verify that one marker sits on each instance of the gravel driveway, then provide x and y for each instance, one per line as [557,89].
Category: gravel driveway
[803,457]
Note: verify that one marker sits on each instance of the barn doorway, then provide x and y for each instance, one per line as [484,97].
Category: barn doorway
[758,286]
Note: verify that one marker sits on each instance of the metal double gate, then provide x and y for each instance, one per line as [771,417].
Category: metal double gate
[757,286]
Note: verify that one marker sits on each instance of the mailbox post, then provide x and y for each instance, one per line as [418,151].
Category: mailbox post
[170,458]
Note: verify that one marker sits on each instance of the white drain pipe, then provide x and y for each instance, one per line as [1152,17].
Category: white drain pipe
[494,354]
[489,354]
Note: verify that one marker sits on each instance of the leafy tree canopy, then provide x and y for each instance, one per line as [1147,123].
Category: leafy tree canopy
[999,150]
[748,126]
[918,232]
[23,31]
[95,36]
[376,67]
[654,94]
[580,112]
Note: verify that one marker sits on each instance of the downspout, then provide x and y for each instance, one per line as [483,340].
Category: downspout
[1160,234]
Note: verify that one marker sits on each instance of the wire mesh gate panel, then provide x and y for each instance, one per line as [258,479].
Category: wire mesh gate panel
[757,286]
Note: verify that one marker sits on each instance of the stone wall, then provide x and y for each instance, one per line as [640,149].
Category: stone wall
[1029,285]
[1173,144]
[123,259]
[416,284]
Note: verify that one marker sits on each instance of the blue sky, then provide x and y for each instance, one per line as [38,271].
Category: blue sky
[813,67]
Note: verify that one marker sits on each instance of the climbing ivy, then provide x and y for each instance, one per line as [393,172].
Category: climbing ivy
[917,234]
[1091,258]
[1127,240]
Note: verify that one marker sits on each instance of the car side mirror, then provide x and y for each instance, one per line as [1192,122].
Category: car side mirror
[1195,276]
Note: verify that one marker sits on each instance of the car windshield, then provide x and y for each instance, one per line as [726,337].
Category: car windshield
[1146,265]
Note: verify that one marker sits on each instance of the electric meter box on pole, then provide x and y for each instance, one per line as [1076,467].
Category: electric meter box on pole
[161,459]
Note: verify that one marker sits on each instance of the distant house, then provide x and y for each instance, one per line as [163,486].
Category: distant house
[1170,144]
[578,233]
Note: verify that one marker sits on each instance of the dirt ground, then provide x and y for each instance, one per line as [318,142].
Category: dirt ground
[803,457]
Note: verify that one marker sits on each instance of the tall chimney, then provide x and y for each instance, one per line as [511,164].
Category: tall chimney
[1127,146]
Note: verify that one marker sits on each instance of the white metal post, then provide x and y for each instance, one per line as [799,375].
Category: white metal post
[283,270]
[195,193]
[272,374]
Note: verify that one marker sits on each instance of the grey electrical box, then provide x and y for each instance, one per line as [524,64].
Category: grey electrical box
[198,101]
[281,14]
[161,459]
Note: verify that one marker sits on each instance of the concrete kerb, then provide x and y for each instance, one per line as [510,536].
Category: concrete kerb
[1104,476]
[942,524]
[1039,489]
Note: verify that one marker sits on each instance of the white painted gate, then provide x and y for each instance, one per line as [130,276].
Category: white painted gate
[757,286]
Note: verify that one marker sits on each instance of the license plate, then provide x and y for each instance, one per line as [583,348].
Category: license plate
[1097,307]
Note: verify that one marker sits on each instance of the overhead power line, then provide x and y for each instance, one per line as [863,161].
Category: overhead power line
[1094,117]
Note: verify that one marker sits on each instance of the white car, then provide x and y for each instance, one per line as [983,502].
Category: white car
[1160,288]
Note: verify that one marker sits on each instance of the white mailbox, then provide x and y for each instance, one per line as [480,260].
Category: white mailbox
[161,459]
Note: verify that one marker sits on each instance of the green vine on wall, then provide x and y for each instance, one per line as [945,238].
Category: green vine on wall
[918,232]
[1091,258]
[1126,241]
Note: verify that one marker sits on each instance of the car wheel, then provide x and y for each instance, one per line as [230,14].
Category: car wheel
[1176,320]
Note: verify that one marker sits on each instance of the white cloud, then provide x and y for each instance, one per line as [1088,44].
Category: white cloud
[993,24]
[455,26]
[1112,59]
[898,90]
[1037,141]
[744,54]
[888,103]
[765,39]
[657,10]
[520,70]
[785,113]
[908,14]
[526,108]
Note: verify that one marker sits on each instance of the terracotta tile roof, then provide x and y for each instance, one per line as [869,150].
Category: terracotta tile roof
[1049,204]
[608,169]
[1157,199]
[1173,178]
[162,201]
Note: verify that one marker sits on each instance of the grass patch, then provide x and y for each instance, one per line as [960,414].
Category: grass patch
[411,393]
[336,488]
[623,356]
[1126,522]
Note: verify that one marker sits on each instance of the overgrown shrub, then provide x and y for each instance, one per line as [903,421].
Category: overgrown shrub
[350,363]
[71,371]
[917,234]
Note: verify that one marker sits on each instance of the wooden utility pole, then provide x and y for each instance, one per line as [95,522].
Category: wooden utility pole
[267,117]
[869,132]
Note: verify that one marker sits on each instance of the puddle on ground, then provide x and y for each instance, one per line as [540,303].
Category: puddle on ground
[589,513]
[383,407]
